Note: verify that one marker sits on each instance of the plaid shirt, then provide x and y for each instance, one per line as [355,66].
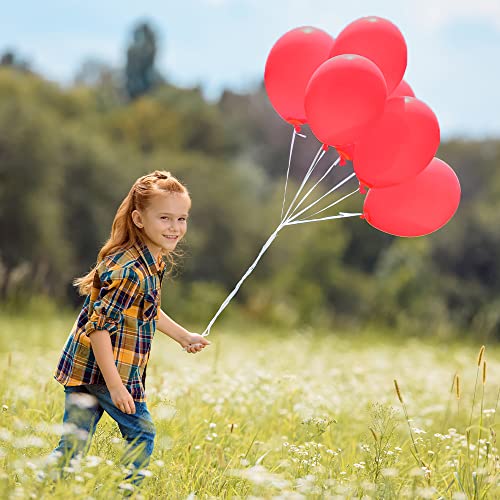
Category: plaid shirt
[124,300]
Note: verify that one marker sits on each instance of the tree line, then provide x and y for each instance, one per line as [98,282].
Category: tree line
[69,155]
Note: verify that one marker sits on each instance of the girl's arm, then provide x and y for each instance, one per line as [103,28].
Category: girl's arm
[192,342]
[103,352]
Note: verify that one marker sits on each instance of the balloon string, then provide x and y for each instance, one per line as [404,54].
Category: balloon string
[294,133]
[341,183]
[334,203]
[312,189]
[245,276]
[285,221]
[316,160]
[342,215]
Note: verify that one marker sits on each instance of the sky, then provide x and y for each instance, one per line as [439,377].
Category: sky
[453,45]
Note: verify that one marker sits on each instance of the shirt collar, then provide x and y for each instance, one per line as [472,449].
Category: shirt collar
[153,266]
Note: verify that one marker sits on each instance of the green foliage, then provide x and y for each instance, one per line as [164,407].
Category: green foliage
[68,157]
[263,413]
[140,71]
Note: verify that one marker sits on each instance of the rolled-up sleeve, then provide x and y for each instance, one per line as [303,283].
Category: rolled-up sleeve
[118,289]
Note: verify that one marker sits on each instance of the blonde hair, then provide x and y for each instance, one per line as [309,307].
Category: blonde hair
[124,233]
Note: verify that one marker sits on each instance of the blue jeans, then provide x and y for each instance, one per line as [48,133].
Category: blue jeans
[83,408]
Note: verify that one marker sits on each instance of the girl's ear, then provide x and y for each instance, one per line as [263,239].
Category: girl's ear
[136,217]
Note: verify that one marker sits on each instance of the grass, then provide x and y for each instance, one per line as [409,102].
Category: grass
[268,414]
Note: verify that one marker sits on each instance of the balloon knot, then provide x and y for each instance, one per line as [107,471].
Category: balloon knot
[362,189]
[297,128]
[325,147]
[342,161]
[362,216]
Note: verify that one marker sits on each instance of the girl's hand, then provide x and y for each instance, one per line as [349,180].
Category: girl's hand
[122,399]
[194,342]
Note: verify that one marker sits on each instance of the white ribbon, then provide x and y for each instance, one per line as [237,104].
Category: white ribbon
[334,203]
[340,216]
[316,160]
[245,276]
[288,169]
[334,188]
[291,218]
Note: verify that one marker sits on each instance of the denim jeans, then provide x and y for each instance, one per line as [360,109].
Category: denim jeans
[83,408]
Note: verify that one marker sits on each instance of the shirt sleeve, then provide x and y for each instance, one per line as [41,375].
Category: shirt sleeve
[118,289]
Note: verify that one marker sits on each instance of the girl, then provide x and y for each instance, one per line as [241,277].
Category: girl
[103,363]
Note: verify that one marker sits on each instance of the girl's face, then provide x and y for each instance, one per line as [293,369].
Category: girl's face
[164,222]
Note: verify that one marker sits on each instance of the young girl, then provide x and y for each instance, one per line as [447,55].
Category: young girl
[103,363]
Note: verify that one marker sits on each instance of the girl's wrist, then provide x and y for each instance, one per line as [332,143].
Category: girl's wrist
[184,339]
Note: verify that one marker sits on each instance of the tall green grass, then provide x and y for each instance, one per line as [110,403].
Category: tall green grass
[266,413]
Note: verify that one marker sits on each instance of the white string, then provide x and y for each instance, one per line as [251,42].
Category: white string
[249,270]
[342,215]
[288,170]
[286,221]
[289,163]
[319,199]
[316,160]
[310,190]
[334,203]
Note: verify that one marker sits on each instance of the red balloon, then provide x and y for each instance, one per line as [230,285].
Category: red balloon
[289,66]
[380,41]
[418,206]
[344,97]
[403,89]
[399,146]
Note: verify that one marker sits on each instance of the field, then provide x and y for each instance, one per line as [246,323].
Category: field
[267,414]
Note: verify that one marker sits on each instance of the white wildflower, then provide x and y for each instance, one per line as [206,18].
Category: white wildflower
[126,486]
[418,431]
[93,461]
[389,472]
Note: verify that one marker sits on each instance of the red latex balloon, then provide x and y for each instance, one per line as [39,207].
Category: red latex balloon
[344,97]
[289,66]
[380,41]
[399,146]
[418,206]
[402,90]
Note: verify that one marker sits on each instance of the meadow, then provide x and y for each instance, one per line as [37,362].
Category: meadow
[264,413]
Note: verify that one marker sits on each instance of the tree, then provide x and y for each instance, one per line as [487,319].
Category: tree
[140,73]
[12,60]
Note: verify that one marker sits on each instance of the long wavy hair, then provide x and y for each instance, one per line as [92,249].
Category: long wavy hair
[124,233]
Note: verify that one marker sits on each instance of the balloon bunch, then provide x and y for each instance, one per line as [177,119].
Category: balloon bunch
[350,92]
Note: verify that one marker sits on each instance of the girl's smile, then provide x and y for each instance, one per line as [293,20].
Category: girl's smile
[164,222]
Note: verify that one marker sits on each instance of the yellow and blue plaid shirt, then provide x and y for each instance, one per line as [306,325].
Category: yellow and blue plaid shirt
[125,300]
